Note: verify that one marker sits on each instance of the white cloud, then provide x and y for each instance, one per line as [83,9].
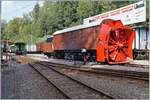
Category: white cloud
[6,6]
[11,9]
[7,2]
[41,3]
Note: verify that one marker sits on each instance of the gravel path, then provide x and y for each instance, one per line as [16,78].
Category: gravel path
[7,83]
[119,87]
[22,82]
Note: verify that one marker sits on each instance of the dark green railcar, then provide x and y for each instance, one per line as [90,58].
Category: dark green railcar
[20,48]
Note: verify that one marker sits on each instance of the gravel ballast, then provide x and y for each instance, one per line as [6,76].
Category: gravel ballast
[119,87]
[22,82]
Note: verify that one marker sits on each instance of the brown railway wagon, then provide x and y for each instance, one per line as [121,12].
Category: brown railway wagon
[38,46]
[76,40]
[109,41]
[45,47]
[82,37]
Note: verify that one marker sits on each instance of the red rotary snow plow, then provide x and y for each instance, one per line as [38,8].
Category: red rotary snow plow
[115,42]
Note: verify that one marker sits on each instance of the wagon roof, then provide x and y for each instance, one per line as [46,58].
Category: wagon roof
[76,28]
[49,36]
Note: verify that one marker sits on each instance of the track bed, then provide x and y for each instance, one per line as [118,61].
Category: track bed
[70,87]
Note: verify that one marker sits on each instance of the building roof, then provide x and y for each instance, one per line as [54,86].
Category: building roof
[7,41]
[142,25]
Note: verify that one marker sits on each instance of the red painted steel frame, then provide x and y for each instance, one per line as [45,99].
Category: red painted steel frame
[115,42]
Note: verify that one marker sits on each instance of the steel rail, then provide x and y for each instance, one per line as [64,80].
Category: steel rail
[118,73]
[80,82]
[65,95]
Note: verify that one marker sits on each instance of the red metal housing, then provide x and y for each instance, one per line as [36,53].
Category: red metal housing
[115,42]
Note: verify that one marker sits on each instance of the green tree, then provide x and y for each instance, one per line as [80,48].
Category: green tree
[56,15]
[84,9]
[3,26]
[48,18]
[12,28]
[147,10]
[35,14]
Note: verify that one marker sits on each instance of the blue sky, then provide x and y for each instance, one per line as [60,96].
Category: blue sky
[12,9]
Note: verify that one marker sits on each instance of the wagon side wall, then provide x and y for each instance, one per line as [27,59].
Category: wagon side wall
[46,47]
[77,40]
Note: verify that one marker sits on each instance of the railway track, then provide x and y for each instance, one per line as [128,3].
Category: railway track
[68,86]
[119,73]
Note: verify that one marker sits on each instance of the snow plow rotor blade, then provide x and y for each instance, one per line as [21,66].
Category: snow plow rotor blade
[123,38]
[116,40]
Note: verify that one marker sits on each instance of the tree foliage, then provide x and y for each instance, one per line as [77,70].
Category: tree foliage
[53,16]
[3,25]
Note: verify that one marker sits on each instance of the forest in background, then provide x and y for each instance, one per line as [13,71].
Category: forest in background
[53,16]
